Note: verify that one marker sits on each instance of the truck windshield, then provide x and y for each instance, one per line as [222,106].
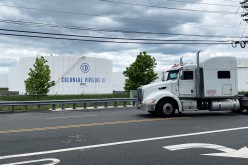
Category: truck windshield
[172,75]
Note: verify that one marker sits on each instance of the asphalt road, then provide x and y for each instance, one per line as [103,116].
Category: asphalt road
[123,136]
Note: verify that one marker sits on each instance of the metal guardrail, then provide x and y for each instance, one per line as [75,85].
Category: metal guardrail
[74,103]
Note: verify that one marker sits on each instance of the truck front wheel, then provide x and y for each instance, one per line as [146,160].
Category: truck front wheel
[167,108]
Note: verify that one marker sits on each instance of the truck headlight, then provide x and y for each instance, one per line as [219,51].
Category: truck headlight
[150,101]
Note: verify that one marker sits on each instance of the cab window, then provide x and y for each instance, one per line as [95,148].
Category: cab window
[224,75]
[187,75]
[172,75]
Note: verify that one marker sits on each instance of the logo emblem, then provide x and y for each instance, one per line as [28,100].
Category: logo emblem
[85,68]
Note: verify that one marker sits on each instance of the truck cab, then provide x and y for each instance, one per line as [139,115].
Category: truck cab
[207,85]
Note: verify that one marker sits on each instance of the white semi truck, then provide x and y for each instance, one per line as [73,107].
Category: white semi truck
[208,85]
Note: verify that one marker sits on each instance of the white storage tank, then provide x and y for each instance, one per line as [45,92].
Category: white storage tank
[4,80]
[242,74]
[72,74]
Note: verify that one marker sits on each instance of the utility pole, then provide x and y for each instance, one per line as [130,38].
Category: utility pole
[244,5]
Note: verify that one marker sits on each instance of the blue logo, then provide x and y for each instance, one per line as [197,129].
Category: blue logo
[85,68]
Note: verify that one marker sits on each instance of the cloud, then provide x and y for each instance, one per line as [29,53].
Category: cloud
[110,16]
[7,12]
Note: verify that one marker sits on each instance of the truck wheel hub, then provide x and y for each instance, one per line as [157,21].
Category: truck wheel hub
[167,108]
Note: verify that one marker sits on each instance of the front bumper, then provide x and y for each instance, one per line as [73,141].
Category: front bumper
[146,107]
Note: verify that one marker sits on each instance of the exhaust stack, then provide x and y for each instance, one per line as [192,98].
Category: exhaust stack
[198,59]
[198,77]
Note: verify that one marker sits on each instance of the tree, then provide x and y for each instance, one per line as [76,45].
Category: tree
[39,82]
[140,72]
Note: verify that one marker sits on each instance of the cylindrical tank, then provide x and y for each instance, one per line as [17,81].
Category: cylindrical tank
[72,75]
[225,104]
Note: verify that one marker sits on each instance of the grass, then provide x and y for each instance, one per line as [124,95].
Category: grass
[243,93]
[3,89]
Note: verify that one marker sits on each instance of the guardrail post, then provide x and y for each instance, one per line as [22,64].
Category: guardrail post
[53,107]
[105,104]
[38,107]
[74,106]
[115,104]
[124,103]
[95,105]
[134,103]
[85,105]
[26,108]
[62,106]
[12,108]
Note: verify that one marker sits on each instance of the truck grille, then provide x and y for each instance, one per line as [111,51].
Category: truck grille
[139,95]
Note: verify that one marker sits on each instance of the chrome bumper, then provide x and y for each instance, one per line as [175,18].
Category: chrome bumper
[145,107]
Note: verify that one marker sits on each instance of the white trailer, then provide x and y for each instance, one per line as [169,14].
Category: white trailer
[209,85]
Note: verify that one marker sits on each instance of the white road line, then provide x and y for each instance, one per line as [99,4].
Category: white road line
[68,117]
[199,145]
[120,143]
[51,160]
[226,152]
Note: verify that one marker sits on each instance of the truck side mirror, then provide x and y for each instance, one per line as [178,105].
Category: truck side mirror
[181,75]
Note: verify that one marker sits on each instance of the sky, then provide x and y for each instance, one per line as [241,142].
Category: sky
[120,29]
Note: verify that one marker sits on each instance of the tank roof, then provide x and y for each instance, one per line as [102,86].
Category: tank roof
[242,63]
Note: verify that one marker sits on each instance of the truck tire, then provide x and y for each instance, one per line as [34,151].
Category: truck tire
[239,110]
[153,112]
[167,108]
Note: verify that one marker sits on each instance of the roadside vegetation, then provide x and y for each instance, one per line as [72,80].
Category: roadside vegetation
[140,72]
[244,93]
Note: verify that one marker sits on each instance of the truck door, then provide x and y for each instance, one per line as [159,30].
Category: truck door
[187,84]
[227,89]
